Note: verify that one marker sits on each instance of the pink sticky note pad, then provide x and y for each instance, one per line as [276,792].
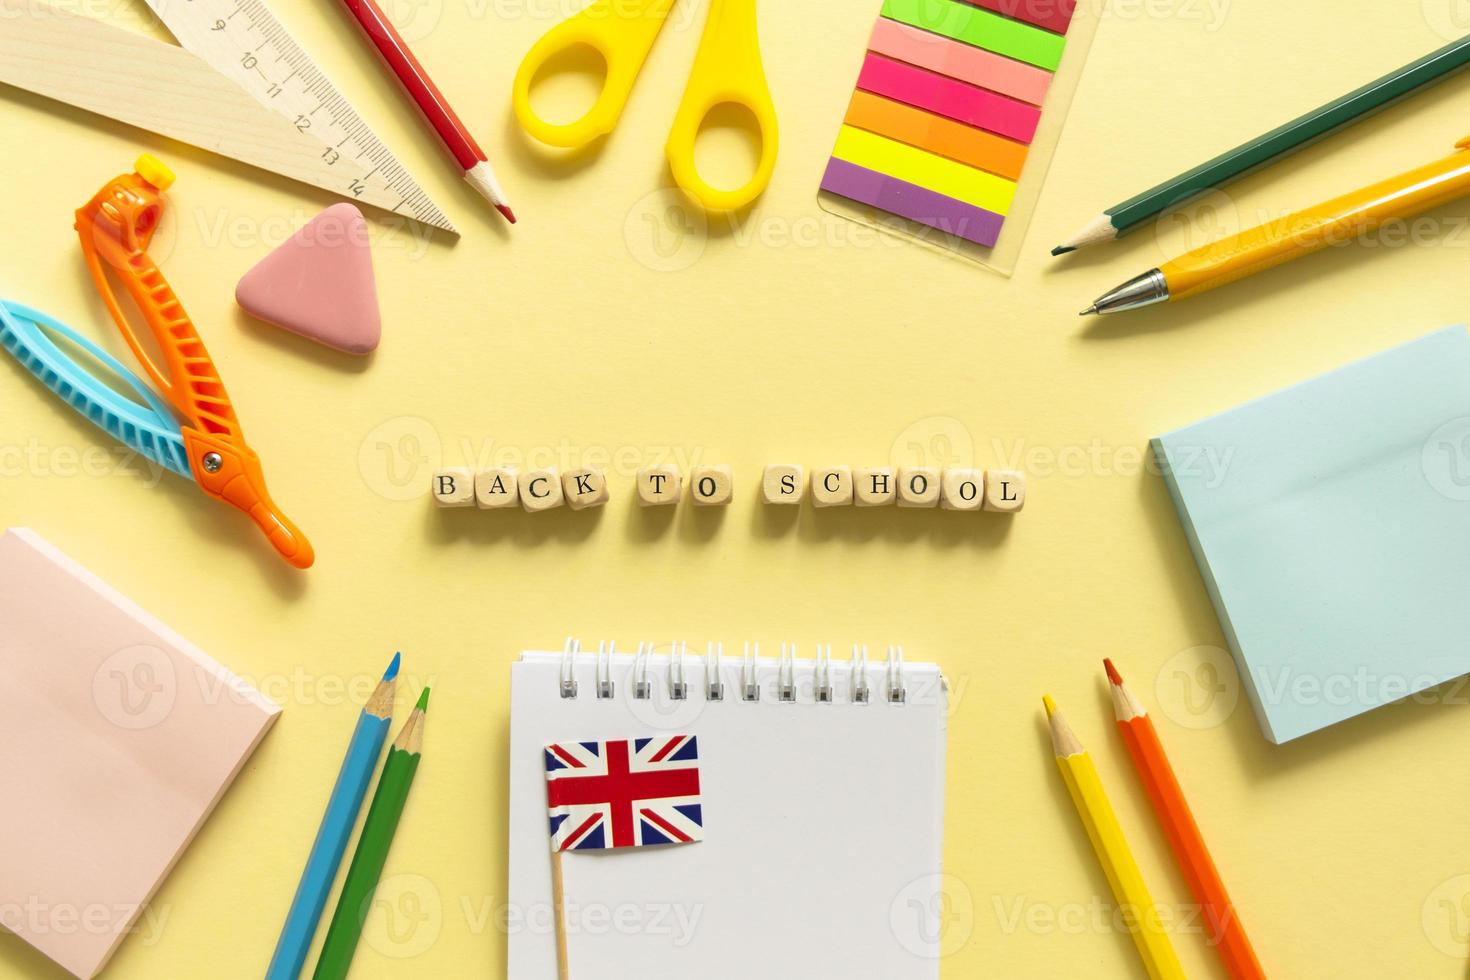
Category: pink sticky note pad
[119,739]
[319,283]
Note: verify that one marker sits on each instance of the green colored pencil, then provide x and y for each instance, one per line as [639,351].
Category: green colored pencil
[372,847]
[1275,145]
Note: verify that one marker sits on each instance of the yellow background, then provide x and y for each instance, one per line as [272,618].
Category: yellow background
[610,320]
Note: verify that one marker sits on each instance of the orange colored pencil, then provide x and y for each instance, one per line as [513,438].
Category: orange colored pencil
[1226,933]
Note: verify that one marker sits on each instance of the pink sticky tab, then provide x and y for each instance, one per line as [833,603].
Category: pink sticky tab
[947,97]
[981,68]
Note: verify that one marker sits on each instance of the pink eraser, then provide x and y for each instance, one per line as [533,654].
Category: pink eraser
[319,283]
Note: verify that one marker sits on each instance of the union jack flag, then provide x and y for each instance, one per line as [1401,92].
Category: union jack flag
[624,793]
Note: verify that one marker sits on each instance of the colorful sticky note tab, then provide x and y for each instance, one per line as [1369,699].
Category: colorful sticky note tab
[937,173]
[947,97]
[956,59]
[947,103]
[983,29]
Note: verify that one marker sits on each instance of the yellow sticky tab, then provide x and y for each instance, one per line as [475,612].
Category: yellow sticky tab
[936,173]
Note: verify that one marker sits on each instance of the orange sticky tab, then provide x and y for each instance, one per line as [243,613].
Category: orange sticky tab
[945,137]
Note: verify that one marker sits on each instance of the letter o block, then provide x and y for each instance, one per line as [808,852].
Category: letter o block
[711,486]
[918,486]
[962,489]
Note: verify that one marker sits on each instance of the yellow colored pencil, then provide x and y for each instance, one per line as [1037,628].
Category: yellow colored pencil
[1143,919]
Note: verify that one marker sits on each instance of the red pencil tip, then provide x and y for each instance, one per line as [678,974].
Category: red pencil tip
[1112,672]
[505,210]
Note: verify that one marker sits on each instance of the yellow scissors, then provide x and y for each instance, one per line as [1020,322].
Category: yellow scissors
[727,71]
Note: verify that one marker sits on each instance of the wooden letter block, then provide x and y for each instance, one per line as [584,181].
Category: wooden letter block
[875,487]
[832,486]
[962,489]
[541,490]
[658,485]
[454,487]
[783,483]
[1005,491]
[711,486]
[584,487]
[496,488]
[918,486]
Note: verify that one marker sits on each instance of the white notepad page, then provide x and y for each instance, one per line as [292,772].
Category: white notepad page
[822,823]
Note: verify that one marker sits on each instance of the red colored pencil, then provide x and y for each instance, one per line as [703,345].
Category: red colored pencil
[1185,839]
[431,102]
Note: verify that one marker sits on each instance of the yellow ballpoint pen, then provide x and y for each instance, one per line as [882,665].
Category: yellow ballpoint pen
[1140,914]
[1332,222]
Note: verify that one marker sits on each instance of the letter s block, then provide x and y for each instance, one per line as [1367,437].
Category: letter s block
[783,483]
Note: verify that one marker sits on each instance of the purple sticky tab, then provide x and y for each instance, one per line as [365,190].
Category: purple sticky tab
[912,202]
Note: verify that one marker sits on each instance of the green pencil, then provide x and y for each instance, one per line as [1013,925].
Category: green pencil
[1275,145]
[372,846]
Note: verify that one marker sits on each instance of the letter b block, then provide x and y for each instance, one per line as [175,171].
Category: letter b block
[454,487]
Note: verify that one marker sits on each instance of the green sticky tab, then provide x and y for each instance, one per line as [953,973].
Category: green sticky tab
[981,28]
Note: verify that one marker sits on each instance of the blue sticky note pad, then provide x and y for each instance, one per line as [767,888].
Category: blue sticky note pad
[1331,522]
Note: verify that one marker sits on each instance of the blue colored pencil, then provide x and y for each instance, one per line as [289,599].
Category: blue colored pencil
[337,823]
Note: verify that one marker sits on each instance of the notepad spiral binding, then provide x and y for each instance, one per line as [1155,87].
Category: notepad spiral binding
[861,690]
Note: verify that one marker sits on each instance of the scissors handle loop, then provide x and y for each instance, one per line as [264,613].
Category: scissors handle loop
[727,71]
[622,32]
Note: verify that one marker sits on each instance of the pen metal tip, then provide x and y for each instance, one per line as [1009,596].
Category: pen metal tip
[1090,311]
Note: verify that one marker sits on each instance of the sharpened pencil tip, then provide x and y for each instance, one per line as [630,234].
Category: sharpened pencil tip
[1089,311]
[1113,674]
[1049,704]
[1063,249]
[392,670]
[505,210]
[423,702]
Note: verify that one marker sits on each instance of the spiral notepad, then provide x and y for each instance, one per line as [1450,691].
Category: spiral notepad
[822,781]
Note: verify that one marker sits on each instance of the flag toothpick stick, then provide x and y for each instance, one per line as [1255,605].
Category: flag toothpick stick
[618,793]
